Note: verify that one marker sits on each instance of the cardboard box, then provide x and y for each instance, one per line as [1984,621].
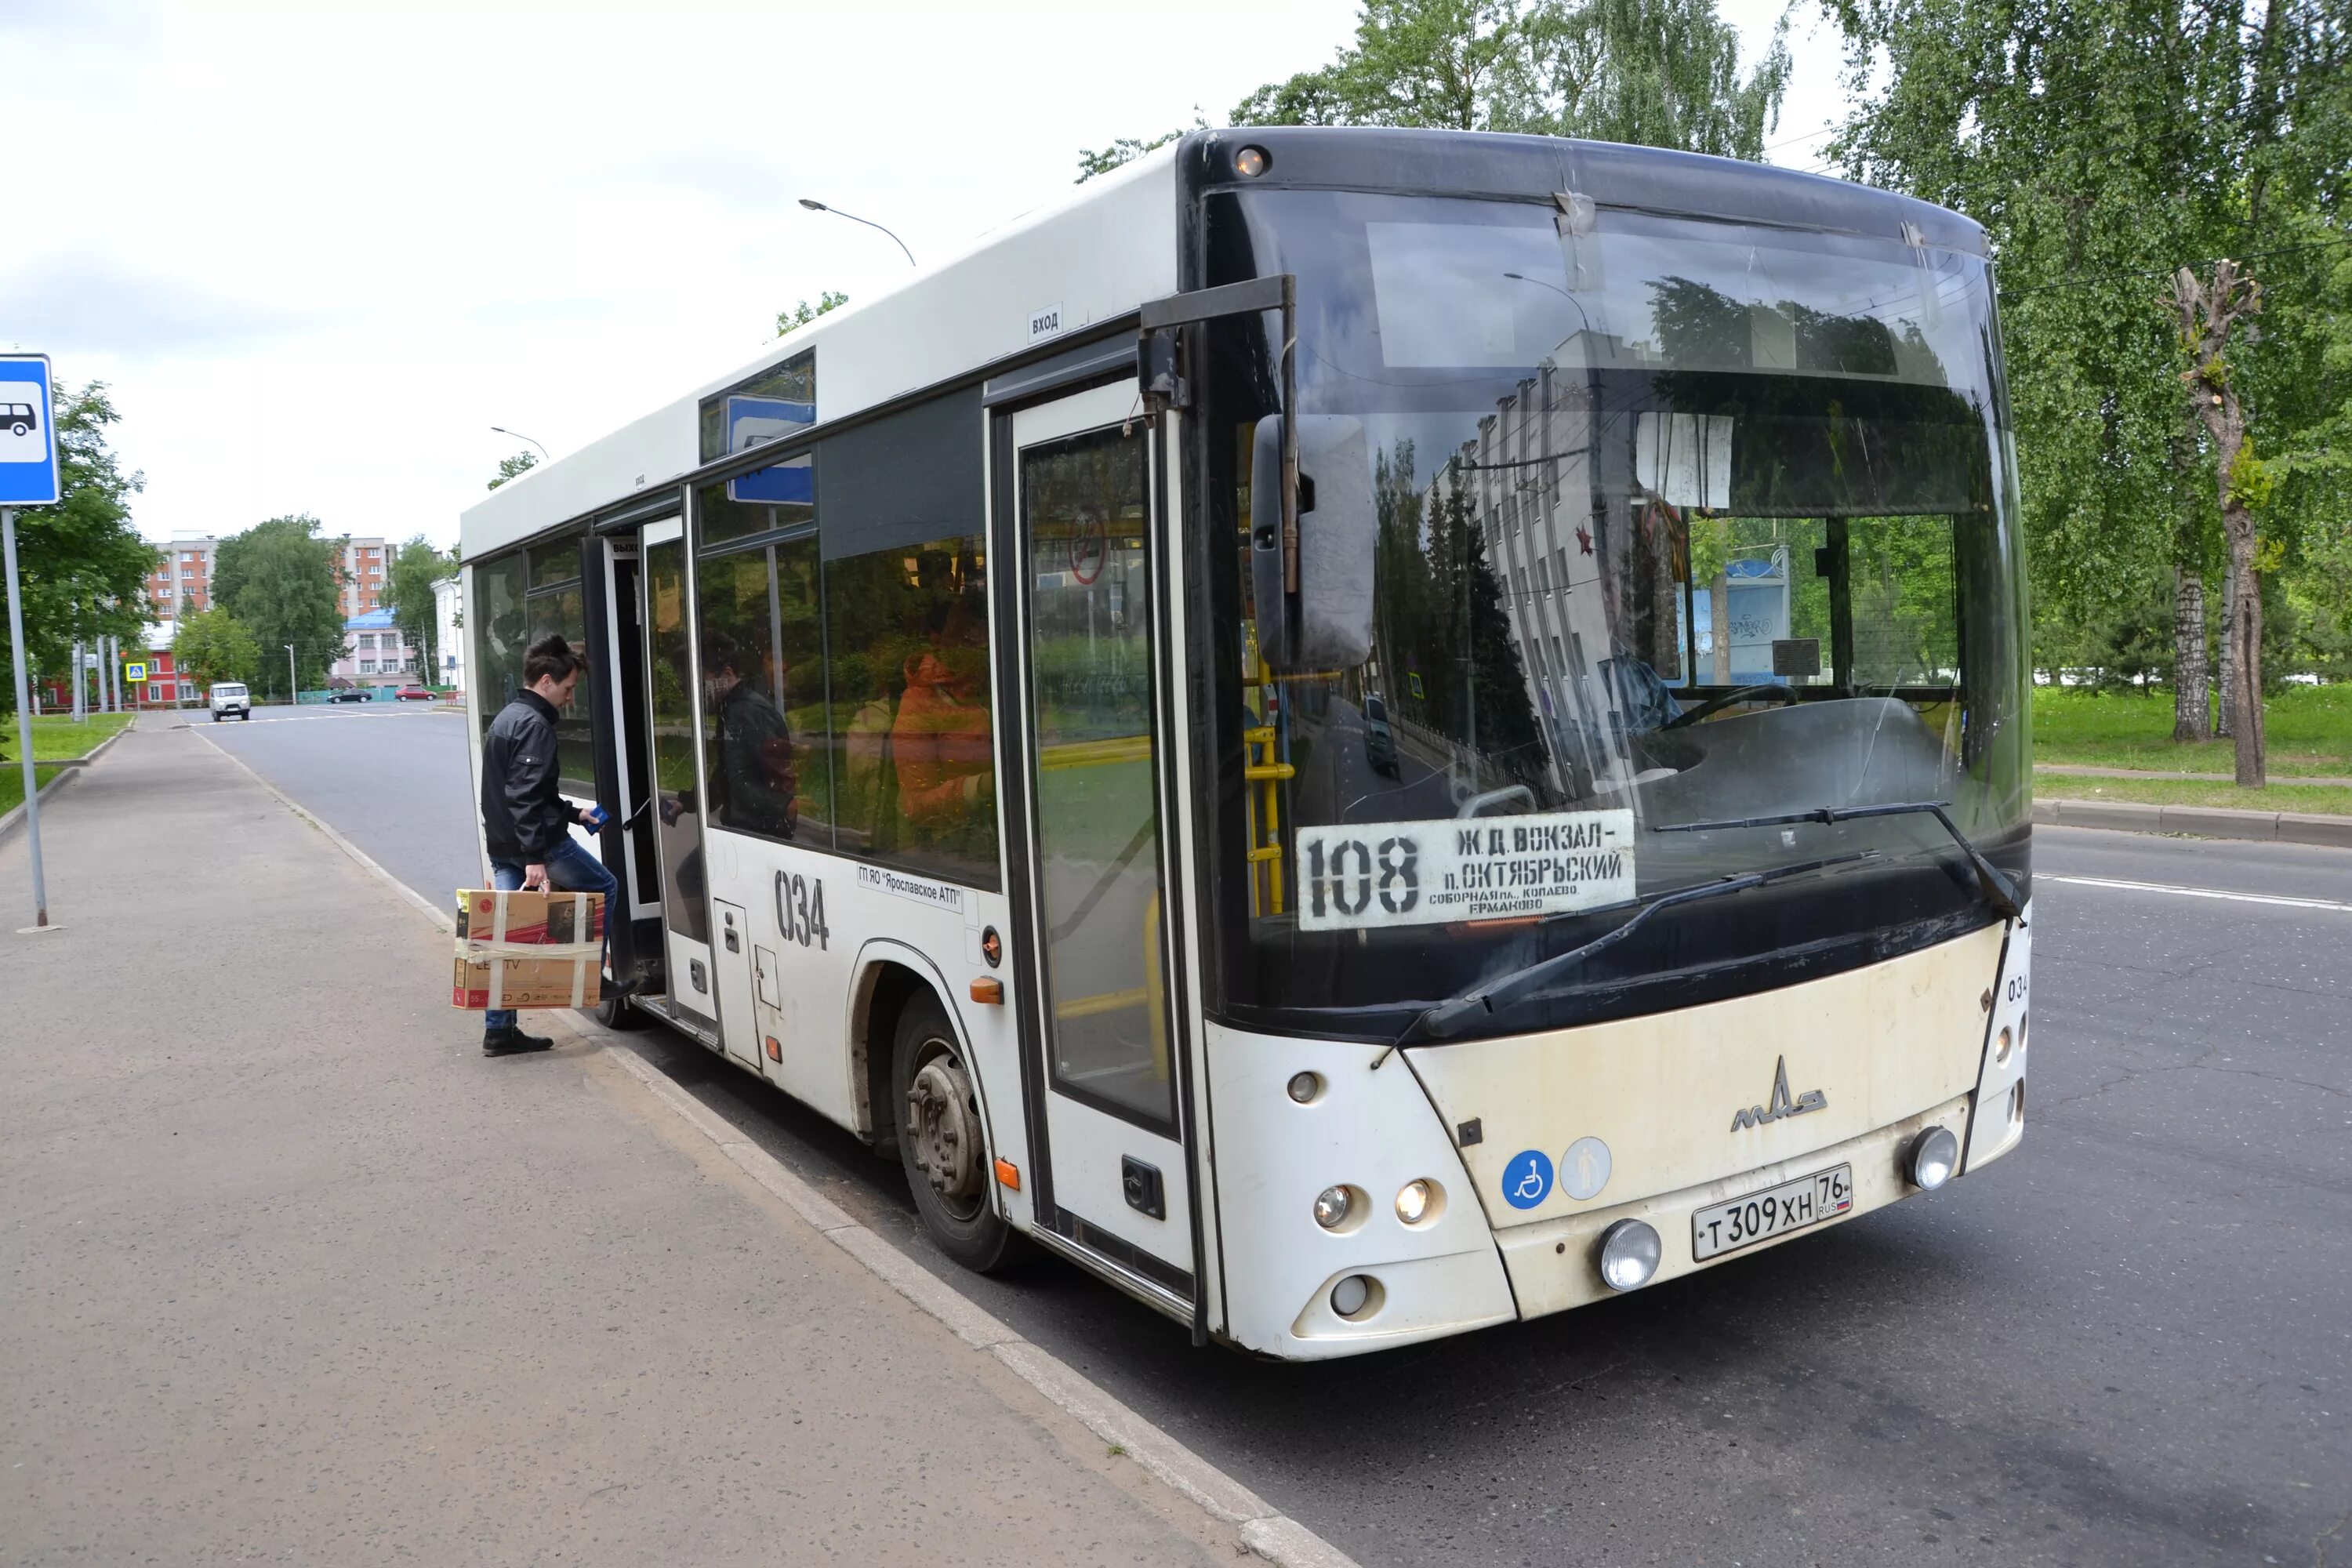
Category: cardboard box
[528,950]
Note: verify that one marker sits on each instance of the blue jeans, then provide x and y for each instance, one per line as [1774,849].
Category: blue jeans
[570,870]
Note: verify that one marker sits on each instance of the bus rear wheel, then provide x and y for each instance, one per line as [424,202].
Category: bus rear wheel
[942,1144]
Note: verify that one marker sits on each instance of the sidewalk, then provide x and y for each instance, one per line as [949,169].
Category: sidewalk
[293,1273]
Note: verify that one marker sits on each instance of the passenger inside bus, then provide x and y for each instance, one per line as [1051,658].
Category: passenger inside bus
[754,785]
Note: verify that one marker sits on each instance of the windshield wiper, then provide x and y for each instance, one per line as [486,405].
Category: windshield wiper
[1997,890]
[1447,1018]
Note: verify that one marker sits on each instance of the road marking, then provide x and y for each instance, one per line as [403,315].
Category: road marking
[2198,892]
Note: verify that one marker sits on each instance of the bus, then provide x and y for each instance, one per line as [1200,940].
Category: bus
[1364,733]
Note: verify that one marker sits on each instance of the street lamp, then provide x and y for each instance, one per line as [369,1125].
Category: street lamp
[815,206]
[519,435]
[293,681]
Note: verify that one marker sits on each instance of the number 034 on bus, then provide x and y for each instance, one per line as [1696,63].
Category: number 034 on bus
[1364,733]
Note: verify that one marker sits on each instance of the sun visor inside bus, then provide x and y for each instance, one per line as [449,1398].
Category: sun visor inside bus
[909,479]
[1805,446]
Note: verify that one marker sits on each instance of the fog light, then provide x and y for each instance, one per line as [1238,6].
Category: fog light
[1629,1255]
[2017,1101]
[1412,1202]
[1332,1205]
[2002,1045]
[1350,1295]
[1303,1086]
[1933,1154]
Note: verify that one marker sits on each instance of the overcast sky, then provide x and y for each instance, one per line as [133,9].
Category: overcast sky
[318,249]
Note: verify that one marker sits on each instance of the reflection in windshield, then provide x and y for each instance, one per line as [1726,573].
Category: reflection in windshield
[1690,521]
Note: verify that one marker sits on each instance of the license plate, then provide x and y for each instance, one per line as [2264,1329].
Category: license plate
[1776,1211]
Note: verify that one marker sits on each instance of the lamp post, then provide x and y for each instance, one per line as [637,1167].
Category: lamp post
[293,681]
[502,430]
[816,207]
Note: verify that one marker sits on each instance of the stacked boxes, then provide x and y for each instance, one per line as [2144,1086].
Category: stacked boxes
[528,950]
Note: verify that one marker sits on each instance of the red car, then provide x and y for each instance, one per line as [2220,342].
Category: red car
[411,694]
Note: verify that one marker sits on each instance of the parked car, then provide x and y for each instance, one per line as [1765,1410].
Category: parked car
[349,694]
[230,699]
[413,694]
[1379,740]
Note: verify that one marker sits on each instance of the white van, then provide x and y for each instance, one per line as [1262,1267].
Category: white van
[229,697]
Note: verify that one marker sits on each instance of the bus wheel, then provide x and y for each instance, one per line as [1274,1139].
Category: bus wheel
[941,1144]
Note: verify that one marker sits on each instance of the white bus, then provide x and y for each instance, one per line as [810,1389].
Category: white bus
[1345,910]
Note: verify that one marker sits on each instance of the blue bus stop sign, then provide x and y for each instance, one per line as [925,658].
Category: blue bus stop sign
[28,442]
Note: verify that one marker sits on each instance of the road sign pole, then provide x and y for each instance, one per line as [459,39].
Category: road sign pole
[24,719]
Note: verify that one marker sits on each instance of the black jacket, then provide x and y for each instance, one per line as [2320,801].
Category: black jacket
[523,814]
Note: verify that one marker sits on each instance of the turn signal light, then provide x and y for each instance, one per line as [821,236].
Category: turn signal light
[988,991]
[775,1051]
[1008,1174]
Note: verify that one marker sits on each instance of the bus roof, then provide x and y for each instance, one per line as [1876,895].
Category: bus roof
[1095,255]
[1113,243]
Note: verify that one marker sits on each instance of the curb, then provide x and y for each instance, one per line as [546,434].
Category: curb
[2205,821]
[67,769]
[1276,1537]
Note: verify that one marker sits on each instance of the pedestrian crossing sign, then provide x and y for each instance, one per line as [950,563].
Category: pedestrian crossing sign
[134,673]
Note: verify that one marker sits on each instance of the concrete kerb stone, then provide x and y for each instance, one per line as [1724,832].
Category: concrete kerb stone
[2203,821]
[1270,1535]
[66,771]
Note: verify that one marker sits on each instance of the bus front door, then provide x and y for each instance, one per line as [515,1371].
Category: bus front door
[676,801]
[1108,1119]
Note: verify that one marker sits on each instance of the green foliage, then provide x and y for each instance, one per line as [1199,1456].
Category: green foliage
[2103,147]
[82,565]
[802,314]
[283,581]
[513,467]
[213,645]
[1662,73]
[2309,729]
[408,595]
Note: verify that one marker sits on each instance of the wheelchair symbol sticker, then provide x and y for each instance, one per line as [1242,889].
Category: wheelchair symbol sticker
[1526,1180]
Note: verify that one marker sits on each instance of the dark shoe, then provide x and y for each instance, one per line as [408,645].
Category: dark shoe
[513,1042]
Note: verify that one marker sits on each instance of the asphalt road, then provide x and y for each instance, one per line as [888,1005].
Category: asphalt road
[2129,1343]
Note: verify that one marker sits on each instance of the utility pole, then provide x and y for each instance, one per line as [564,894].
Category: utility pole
[293,681]
[24,718]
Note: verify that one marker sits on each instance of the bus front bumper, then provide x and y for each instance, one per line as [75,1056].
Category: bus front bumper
[1554,1264]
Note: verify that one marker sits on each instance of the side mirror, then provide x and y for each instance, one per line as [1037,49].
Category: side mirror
[1328,624]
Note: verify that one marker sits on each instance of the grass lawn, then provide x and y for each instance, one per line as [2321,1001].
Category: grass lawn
[56,737]
[12,784]
[2323,800]
[2309,729]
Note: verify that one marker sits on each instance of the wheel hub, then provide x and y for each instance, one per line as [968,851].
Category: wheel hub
[941,1130]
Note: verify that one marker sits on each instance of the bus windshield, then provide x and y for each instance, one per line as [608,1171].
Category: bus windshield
[1675,522]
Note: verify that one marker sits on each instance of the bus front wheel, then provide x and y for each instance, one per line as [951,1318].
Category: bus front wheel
[943,1144]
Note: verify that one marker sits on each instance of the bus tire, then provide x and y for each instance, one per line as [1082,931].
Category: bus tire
[615,1013]
[943,1139]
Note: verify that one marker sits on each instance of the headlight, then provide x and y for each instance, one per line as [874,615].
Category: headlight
[1332,1205]
[1412,1202]
[1933,1154]
[1629,1255]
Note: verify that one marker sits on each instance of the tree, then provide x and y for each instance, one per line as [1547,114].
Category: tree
[408,595]
[512,467]
[802,314]
[1662,73]
[2106,148]
[82,565]
[285,583]
[214,646]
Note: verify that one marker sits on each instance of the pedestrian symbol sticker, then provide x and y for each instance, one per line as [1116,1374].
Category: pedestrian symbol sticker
[1526,1180]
